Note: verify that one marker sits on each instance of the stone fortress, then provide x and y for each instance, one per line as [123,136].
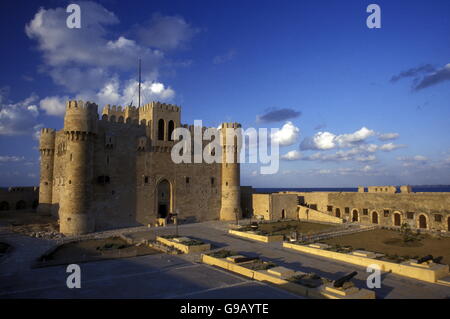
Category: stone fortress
[117,171]
[373,205]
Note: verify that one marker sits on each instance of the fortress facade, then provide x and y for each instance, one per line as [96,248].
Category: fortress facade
[373,205]
[116,171]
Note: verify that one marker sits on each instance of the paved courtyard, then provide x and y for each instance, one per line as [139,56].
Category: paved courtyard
[182,276]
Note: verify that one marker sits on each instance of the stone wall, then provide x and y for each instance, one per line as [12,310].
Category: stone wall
[275,206]
[429,211]
[117,171]
[312,215]
[19,198]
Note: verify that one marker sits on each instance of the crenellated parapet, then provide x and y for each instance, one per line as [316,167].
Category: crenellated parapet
[81,117]
[47,141]
[161,106]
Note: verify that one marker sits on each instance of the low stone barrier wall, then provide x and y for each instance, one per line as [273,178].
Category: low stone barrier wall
[280,280]
[262,238]
[426,272]
[187,249]
[305,213]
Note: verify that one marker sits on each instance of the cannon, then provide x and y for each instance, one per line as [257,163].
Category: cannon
[424,259]
[341,281]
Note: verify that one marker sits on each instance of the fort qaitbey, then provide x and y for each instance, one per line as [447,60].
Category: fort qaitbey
[110,191]
[225,158]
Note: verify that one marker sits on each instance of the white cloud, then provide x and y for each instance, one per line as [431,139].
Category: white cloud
[388,136]
[17,118]
[88,45]
[219,59]
[416,158]
[292,155]
[347,140]
[288,134]
[87,61]
[166,32]
[320,141]
[116,94]
[327,140]
[4,159]
[54,105]
[368,158]
[391,146]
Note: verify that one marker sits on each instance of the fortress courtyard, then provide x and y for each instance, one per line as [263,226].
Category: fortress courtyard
[161,275]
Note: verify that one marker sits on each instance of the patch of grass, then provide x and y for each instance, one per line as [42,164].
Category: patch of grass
[222,253]
[111,246]
[258,264]
[192,242]
[308,280]
[391,244]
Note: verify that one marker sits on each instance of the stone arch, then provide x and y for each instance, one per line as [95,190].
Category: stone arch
[21,205]
[112,118]
[355,215]
[164,198]
[374,217]
[120,120]
[422,221]
[128,120]
[144,122]
[4,205]
[161,126]
[170,129]
[283,214]
[338,213]
[397,219]
[104,117]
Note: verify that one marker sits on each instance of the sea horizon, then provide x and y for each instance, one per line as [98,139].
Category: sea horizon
[414,188]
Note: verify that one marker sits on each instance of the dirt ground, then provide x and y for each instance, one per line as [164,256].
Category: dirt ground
[96,249]
[28,222]
[3,247]
[285,228]
[375,240]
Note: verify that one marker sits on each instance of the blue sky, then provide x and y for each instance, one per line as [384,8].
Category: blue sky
[356,106]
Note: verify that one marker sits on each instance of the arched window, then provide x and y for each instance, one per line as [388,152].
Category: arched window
[4,206]
[170,130]
[374,218]
[161,130]
[422,222]
[355,216]
[338,212]
[21,204]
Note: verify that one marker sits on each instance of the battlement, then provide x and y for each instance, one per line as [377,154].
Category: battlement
[77,106]
[48,131]
[47,139]
[230,125]
[81,117]
[162,106]
[32,189]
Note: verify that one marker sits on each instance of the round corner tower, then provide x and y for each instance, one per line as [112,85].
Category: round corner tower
[231,190]
[80,130]
[47,152]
